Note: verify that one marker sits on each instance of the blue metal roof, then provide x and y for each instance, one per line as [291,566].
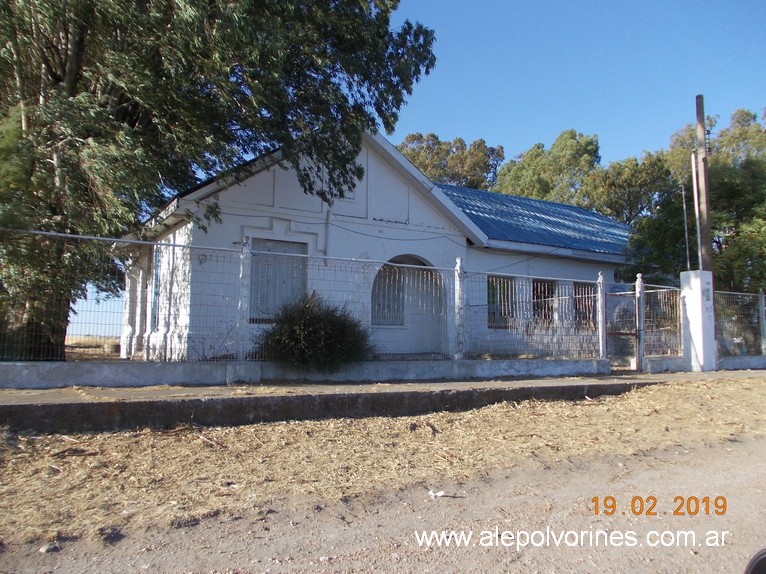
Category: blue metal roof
[521,219]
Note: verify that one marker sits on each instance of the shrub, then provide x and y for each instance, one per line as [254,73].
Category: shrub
[312,334]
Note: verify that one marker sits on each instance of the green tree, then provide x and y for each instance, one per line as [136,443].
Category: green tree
[454,162]
[630,189]
[556,174]
[109,107]
[737,178]
[744,139]
[657,243]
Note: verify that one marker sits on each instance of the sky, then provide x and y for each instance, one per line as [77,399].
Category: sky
[519,72]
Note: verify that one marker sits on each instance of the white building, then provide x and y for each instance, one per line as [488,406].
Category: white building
[209,293]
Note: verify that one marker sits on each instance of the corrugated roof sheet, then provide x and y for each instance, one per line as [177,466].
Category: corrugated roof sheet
[521,219]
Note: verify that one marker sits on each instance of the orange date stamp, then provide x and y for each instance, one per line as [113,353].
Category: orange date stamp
[649,506]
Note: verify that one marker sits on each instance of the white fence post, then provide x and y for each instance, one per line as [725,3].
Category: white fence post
[130,307]
[601,317]
[698,320]
[243,305]
[640,312]
[459,310]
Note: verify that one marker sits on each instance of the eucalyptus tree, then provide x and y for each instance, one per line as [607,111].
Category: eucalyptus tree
[555,174]
[737,182]
[109,107]
[454,162]
[630,189]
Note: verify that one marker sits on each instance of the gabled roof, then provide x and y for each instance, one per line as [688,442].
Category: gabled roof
[510,218]
[489,219]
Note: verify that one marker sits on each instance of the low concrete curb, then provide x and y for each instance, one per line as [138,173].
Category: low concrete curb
[48,375]
[240,410]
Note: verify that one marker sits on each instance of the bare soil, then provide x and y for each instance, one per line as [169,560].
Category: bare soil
[348,495]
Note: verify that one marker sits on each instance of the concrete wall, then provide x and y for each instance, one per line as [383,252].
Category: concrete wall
[698,320]
[46,375]
[663,365]
[741,363]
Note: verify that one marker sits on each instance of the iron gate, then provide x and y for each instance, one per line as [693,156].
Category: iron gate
[622,329]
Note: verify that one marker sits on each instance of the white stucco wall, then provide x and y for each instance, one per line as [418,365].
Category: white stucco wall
[393,220]
[553,263]
[168,296]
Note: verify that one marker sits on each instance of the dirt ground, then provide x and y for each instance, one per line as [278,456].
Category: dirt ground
[684,462]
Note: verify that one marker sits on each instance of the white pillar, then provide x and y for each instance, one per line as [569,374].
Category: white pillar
[129,310]
[243,306]
[698,320]
[640,312]
[459,350]
[601,317]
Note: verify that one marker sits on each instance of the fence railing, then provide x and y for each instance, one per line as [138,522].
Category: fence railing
[739,328]
[411,311]
[662,321]
[85,298]
[77,298]
[510,317]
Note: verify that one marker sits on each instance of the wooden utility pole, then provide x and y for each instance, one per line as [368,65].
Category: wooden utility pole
[705,238]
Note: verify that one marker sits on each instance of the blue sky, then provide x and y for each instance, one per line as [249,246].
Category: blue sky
[522,71]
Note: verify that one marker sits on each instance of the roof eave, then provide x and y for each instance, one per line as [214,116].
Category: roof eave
[380,144]
[186,203]
[552,251]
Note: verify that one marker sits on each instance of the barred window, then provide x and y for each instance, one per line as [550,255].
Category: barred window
[585,305]
[278,276]
[501,301]
[543,300]
[388,297]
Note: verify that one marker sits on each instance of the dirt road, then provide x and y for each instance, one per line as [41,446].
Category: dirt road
[685,466]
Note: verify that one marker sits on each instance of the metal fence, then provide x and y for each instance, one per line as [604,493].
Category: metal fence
[168,301]
[621,323]
[662,321]
[411,311]
[77,298]
[512,317]
[59,297]
[642,321]
[739,321]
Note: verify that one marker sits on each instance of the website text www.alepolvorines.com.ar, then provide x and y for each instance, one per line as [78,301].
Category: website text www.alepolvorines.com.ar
[553,538]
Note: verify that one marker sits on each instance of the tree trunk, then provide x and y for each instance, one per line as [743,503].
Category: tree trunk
[35,332]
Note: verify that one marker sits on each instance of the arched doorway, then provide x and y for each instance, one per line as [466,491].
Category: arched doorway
[408,309]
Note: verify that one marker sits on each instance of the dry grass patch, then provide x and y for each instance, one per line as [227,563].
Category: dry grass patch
[88,484]
[92,348]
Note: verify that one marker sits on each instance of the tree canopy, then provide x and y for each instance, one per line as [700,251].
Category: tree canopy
[555,174]
[629,189]
[737,178]
[130,100]
[108,107]
[648,193]
[454,162]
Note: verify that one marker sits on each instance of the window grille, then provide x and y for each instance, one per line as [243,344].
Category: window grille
[543,300]
[388,297]
[501,301]
[585,305]
[278,276]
